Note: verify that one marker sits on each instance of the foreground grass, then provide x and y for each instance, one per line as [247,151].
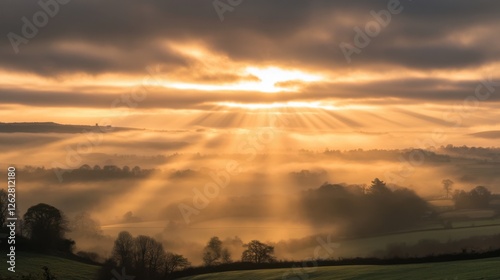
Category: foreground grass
[32,263]
[485,269]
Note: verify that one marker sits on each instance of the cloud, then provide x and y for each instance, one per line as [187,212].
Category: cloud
[487,134]
[127,35]
[92,53]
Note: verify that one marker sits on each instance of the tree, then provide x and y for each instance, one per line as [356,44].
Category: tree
[378,187]
[175,262]
[258,252]
[480,197]
[144,257]
[141,246]
[212,252]
[149,256]
[45,225]
[447,186]
[226,256]
[123,250]
[461,199]
[85,167]
[136,170]
[155,257]
[126,169]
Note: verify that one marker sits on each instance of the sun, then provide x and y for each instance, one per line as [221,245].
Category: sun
[281,105]
[268,80]
[271,77]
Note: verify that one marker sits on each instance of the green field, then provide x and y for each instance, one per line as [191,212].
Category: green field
[363,247]
[485,269]
[31,263]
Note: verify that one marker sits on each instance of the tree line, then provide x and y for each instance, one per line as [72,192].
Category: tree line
[145,258]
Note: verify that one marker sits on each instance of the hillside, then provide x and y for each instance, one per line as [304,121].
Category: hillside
[485,269]
[64,269]
[50,127]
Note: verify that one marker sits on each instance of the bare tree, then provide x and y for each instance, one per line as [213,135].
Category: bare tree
[447,186]
[226,256]
[258,252]
[149,256]
[123,251]
[212,252]
[175,262]
[141,246]
[155,257]
[145,256]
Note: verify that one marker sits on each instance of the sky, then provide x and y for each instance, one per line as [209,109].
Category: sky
[358,65]
[208,78]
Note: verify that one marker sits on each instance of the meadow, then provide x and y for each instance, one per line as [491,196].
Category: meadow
[484,269]
[61,268]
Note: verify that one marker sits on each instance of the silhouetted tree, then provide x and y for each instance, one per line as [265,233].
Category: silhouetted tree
[447,186]
[149,256]
[174,262]
[461,199]
[111,168]
[126,169]
[378,211]
[378,187]
[226,256]
[212,252]
[136,170]
[141,246]
[123,250]
[144,257]
[85,167]
[45,225]
[258,252]
[156,258]
[479,197]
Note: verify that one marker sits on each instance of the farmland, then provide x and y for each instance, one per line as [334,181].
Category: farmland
[460,270]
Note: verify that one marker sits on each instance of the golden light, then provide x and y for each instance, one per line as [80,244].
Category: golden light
[269,78]
[282,105]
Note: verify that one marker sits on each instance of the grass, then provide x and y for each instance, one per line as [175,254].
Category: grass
[485,269]
[368,245]
[32,263]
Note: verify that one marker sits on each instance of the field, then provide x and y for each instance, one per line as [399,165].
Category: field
[460,270]
[31,263]
[351,248]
